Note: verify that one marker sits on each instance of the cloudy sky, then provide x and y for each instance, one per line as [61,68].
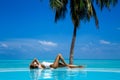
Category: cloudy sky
[27,30]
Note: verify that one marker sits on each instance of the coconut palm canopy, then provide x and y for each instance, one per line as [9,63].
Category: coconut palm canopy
[79,10]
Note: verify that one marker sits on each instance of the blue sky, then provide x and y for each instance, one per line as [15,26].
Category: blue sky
[27,30]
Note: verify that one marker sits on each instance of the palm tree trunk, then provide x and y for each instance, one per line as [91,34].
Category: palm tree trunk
[72,46]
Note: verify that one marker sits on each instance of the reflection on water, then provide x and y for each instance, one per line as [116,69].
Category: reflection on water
[35,73]
[56,74]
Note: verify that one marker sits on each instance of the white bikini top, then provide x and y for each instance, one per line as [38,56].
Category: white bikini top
[46,64]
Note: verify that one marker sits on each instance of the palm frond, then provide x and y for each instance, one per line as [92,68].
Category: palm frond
[95,17]
[55,4]
[106,3]
[60,7]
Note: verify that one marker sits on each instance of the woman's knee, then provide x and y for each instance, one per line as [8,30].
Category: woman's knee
[59,54]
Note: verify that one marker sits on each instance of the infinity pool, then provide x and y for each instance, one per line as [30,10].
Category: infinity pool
[94,70]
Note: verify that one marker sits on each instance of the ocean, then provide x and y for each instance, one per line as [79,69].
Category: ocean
[94,70]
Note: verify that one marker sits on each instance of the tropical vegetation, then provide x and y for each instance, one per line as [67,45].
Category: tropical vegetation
[79,10]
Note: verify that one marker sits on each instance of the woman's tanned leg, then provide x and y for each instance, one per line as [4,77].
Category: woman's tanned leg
[57,61]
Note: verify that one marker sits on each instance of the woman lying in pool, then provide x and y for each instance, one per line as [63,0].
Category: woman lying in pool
[59,62]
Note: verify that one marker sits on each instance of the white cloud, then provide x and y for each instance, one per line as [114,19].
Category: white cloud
[104,42]
[3,45]
[28,45]
[47,43]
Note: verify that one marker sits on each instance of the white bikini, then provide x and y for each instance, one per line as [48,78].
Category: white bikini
[46,64]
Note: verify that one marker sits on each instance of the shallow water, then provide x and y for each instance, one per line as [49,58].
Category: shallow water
[94,70]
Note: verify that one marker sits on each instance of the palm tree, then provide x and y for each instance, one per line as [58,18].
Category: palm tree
[79,10]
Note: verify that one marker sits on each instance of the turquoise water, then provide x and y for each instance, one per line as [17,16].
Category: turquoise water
[94,70]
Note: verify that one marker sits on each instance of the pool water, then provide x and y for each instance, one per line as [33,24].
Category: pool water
[94,70]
